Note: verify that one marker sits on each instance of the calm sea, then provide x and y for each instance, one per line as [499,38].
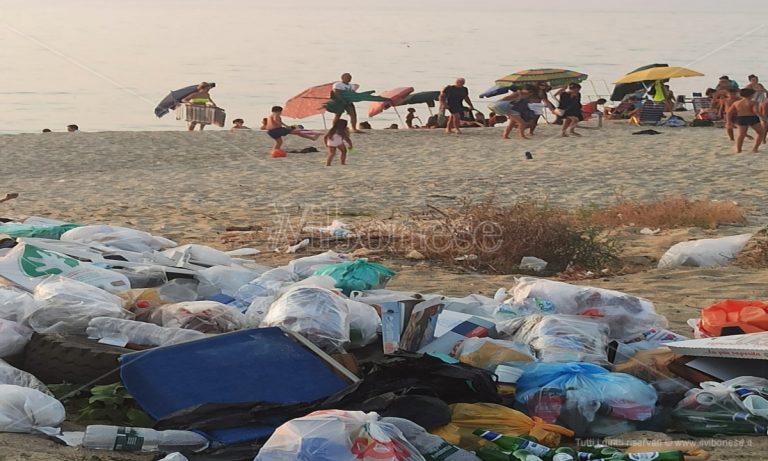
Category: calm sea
[105,64]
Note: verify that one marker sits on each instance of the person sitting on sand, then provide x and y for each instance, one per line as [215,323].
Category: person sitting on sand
[73,128]
[264,123]
[392,127]
[364,126]
[276,129]
[591,108]
[200,97]
[47,130]
[411,117]
[239,124]
[336,138]
[745,112]
[569,108]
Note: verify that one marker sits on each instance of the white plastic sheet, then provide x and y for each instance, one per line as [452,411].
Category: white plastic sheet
[13,337]
[27,410]
[14,303]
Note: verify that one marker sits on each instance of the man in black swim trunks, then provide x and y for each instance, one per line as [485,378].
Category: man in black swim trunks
[452,98]
[276,129]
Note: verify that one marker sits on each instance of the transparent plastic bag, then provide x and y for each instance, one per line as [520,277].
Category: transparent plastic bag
[27,410]
[359,275]
[488,353]
[473,304]
[562,338]
[16,377]
[335,435]
[14,303]
[228,279]
[364,324]
[305,267]
[577,394]
[627,315]
[203,316]
[13,337]
[66,306]
[146,334]
[198,254]
[122,238]
[316,313]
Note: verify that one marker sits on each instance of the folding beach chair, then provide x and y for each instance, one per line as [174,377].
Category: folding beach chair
[650,113]
[700,103]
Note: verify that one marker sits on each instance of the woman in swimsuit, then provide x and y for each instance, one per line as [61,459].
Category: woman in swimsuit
[745,111]
[200,97]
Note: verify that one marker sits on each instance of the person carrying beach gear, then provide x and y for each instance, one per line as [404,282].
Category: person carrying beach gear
[336,93]
[201,97]
[276,129]
[453,98]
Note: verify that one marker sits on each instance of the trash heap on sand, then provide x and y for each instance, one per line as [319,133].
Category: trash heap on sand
[317,360]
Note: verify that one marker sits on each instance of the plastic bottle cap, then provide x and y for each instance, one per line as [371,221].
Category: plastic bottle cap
[142,304]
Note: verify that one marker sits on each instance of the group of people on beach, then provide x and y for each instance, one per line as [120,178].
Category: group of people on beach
[740,109]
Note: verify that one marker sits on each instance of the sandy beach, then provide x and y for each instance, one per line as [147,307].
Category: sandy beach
[192,187]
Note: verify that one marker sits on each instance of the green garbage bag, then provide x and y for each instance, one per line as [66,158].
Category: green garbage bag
[16,230]
[358,275]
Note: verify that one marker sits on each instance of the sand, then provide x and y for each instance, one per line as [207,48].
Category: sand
[193,186]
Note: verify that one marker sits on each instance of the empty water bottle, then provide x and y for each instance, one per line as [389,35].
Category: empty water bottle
[118,438]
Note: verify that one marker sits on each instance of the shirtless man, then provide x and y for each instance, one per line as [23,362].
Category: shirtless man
[730,117]
[745,112]
[276,129]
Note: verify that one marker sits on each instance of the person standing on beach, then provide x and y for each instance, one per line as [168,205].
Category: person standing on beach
[345,85]
[730,117]
[569,108]
[200,97]
[453,98]
[276,129]
[337,138]
[760,91]
[725,83]
[745,112]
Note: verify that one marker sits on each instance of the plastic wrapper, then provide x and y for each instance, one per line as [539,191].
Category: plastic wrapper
[466,417]
[146,334]
[335,435]
[16,377]
[364,324]
[66,306]
[561,338]
[14,304]
[359,275]
[122,238]
[203,316]
[627,315]
[489,353]
[584,397]
[305,267]
[704,252]
[316,313]
[198,254]
[13,337]
[27,410]
[735,407]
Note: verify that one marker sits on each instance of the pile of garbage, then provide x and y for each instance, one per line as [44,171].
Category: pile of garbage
[317,360]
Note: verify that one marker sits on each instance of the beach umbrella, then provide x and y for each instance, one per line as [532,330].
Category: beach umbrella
[555,77]
[658,73]
[623,89]
[394,97]
[496,90]
[174,99]
[422,97]
[309,102]
[344,98]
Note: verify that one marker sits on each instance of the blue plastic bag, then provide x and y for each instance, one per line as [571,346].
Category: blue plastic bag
[359,275]
[584,397]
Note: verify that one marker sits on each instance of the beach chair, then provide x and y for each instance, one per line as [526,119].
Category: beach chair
[650,113]
[699,103]
[618,112]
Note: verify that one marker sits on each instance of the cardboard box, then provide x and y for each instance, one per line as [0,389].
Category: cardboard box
[474,327]
[749,346]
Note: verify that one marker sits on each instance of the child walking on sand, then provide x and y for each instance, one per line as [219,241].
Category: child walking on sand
[276,129]
[336,138]
[745,113]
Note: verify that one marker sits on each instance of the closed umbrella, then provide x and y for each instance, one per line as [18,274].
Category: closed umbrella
[309,102]
[174,99]
[623,89]
[344,98]
[394,97]
[658,73]
[495,90]
[555,77]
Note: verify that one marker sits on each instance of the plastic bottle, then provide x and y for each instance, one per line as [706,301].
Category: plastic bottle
[431,446]
[649,456]
[142,439]
[146,334]
[513,444]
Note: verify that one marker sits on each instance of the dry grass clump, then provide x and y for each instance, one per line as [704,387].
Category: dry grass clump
[755,253]
[670,213]
[492,238]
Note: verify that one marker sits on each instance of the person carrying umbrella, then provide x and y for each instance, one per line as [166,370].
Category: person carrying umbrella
[336,93]
[452,98]
[201,97]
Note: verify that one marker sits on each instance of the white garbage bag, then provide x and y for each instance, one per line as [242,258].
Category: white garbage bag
[26,265]
[307,266]
[364,323]
[27,410]
[122,238]
[13,337]
[228,279]
[14,303]
[66,306]
[627,315]
[204,316]
[704,252]
[199,254]
[12,375]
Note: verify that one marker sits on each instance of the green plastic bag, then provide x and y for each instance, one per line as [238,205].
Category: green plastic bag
[359,275]
[16,230]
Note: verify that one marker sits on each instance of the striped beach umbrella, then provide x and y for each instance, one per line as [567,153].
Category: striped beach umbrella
[555,77]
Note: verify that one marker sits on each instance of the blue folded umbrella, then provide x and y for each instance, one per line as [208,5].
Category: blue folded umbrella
[495,91]
[257,365]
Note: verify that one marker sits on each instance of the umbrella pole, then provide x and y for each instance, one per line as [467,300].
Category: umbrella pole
[430,111]
[325,125]
[398,115]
